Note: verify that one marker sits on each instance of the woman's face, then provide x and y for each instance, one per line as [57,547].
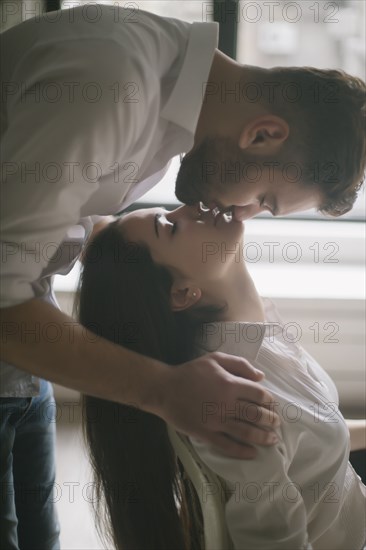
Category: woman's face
[200,246]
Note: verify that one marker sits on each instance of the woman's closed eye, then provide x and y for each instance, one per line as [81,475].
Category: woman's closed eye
[263,203]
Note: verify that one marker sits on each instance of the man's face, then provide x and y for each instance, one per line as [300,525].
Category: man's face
[221,174]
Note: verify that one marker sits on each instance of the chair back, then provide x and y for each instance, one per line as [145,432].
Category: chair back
[209,489]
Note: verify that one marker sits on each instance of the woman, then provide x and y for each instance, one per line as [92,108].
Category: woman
[173,285]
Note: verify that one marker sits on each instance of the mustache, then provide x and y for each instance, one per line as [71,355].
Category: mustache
[190,185]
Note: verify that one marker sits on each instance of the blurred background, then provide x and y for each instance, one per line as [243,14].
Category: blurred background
[313,268]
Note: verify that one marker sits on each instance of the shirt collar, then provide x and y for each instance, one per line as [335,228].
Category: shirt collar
[241,338]
[236,338]
[184,104]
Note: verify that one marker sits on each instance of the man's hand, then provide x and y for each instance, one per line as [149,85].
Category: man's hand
[217,399]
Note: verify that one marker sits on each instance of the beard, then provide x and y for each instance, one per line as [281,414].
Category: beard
[214,167]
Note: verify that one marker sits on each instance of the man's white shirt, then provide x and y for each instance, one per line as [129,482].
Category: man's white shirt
[93,111]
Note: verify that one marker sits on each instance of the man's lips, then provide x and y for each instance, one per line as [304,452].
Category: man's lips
[208,214]
[215,212]
[237,216]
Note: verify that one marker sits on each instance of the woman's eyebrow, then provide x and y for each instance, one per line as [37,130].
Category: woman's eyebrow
[275,210]
[156,217]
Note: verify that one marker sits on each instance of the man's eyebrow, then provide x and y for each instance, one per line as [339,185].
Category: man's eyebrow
[156,217]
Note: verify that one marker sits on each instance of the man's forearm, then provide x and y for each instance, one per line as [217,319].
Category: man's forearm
[42,340]
[357,430]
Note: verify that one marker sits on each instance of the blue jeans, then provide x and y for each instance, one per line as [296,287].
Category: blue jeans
[28,519]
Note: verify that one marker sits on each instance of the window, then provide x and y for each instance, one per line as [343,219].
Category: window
[188,10]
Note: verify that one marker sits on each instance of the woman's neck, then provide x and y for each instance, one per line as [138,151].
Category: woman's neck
[239,292]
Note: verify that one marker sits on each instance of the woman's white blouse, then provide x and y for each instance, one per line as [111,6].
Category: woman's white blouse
[301,492]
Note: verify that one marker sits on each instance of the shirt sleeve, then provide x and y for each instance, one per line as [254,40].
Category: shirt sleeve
[264,510]
[67,124]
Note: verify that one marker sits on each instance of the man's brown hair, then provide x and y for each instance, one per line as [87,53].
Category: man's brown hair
[326,112]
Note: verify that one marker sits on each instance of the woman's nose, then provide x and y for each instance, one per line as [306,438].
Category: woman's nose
[183,211]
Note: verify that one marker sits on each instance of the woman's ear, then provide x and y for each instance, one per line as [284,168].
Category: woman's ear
[264,133]
[183,297]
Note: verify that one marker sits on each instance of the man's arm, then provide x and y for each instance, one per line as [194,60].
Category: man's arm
[357,431]
[83,361]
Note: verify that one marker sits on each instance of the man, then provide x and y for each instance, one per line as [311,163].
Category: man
[96,103]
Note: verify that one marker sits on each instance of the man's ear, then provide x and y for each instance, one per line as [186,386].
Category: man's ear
[182,297]
[265,133]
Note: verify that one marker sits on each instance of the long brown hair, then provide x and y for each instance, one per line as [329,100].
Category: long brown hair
[143,499]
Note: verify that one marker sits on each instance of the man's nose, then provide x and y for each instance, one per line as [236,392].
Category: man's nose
[241,213]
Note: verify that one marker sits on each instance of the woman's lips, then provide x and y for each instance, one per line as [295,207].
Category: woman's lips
[214,213]
[205,214]
[226,215]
